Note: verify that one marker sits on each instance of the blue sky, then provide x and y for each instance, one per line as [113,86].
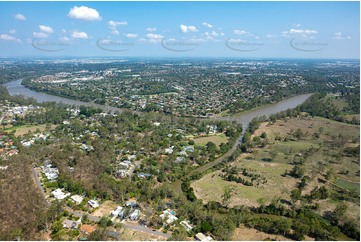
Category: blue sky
[179,29]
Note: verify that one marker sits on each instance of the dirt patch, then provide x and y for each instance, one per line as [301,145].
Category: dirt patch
[105,209]
[246,234]
[132,235]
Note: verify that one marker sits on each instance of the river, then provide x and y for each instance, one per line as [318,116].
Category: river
[16,88]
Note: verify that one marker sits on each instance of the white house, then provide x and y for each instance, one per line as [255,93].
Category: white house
[93,203]
[186,225]
[134,215]
[77,199]
[117,211]
[202,237]
[169,150]
[168,216]
[59,194]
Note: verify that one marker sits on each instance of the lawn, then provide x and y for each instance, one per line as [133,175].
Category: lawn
[24,129]
[216,139]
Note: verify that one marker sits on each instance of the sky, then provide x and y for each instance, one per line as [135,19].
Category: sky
[181,29]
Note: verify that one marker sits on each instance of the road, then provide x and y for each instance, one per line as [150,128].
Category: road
[37,181]
[147,230]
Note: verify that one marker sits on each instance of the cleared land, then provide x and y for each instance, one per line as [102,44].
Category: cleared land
[211,187]
[24,129]
[321,146]
[132,235]
[105,209]
[216,139]
[245,234]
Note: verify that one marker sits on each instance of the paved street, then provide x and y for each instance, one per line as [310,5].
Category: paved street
[36,177]
[147,230]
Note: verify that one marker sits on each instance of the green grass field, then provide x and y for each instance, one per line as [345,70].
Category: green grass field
[216,139]
[348,185]
[24,129]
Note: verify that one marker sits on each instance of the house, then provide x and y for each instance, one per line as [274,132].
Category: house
[169,150]
[87,229]
[77,199]
[186,225]
[131,204]
[144,175]
[168,215]
[113,234]
[59,194]
[93,203]
[202,237]
[188,148]
[212,129]
[70,224]
[117,211]
[179,159]
[134,215]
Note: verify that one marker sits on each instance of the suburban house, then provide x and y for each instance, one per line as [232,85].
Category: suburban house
[134,215]
[114,235]
[117,211]
[70,224]
[59,194]
[186,225]
[93,203]
[202,237]
[168,215]
[77,199]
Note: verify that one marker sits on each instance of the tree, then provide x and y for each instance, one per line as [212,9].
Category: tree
[339,212]
[227,194]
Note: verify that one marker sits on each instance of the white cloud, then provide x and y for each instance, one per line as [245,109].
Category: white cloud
[297,25]
[239,32]
[212,35]
[20,17]
[151,29]
[114,24]
[340,36]
[79,35]
[189,28]
[13,31]
[41,35]
[131,35]
[84,13]
[8,37]
[306,33]
[207,25]
[154,36]
[302,31]
[46,29]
